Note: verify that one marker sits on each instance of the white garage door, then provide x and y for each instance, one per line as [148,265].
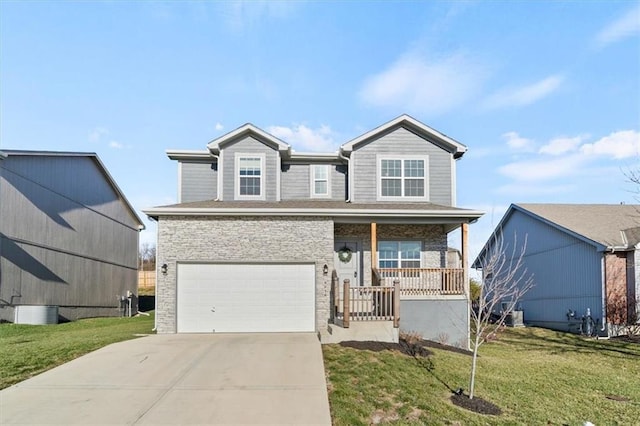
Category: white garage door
[236,298]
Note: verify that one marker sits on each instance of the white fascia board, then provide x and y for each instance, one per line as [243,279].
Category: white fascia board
[458,147]
[315,156]
[214,145]
[179,154]
[203,211]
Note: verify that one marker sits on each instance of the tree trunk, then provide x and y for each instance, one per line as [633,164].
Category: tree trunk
[472,382]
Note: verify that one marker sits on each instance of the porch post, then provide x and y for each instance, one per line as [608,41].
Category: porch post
[374,245]
[465,258]
[396,303]
[346,314]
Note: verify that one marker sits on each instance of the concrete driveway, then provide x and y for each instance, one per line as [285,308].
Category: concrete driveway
[180,379]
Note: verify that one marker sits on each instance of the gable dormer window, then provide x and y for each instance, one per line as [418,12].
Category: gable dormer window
[403,178]
[250,178]
[320,187]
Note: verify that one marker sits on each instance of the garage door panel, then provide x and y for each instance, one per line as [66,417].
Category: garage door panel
[246,297]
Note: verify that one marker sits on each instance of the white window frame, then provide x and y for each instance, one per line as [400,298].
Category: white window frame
[314,179]
[399,258]
[238,157]
[402,197]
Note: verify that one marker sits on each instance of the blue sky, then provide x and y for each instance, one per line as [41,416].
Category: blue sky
[545,94]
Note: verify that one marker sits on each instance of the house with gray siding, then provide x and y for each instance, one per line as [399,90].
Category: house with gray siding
[345,244]
[68,236]
[585,262]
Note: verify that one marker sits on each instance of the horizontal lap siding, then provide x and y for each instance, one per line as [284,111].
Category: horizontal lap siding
[60,247]
[198,182]
[566,272]
[250,145]
[401,142]
[296,181]
[77,178]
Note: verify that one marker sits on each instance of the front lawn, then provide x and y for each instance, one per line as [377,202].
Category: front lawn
[27,350]
[535,376]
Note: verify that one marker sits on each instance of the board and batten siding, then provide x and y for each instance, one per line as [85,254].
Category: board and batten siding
[566,272]
[198,181]
[67,238]
[296,181]
[249,145]
[401,142]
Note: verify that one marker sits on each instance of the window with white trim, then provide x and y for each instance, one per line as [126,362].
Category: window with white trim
[399,254]
[250,183]
[320,186]
[402,178]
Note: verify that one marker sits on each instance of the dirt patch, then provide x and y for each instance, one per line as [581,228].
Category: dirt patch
[477,405]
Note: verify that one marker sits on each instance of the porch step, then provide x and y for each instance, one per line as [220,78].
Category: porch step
[376,331]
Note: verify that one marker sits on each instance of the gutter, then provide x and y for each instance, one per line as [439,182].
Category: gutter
[237,211]
[349,180]
[604,296]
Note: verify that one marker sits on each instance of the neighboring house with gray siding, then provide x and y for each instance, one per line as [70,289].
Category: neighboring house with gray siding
[583,257]
[68,236]
[265,239]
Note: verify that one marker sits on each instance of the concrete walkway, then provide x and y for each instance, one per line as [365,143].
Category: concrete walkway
[180,379]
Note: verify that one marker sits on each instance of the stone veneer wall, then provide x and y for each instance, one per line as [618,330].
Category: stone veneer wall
[433,237]
[241,239]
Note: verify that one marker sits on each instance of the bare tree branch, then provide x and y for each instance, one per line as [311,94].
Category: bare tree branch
[505,280]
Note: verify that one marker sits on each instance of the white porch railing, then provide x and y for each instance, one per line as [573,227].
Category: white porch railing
[424,281]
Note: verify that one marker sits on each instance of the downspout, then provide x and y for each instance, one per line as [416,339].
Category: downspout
[155,299]
[217,157]
[349,182]
[604,296]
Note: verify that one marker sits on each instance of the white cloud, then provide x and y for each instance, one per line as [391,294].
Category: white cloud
[619,145]
[115,145]
[542,169]
[526,95]
[562,145]
[219,126]
[306,138]
[517,142]
[241,13]
[415,83]
[626,26]
[96,134]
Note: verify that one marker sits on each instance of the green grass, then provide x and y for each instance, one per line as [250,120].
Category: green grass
[27,350]
[535,376]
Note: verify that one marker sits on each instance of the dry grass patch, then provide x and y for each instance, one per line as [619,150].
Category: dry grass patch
[535,376]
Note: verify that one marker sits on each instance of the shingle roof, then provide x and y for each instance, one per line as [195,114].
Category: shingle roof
[328,208]
[314,204]
[602,223]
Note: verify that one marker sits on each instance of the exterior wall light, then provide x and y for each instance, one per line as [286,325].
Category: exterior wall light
[164,268]
[325,269]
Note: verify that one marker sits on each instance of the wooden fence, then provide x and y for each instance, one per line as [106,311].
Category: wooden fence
[146,279]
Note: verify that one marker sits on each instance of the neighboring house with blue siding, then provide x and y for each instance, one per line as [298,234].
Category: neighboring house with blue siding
[264,239]
[68,235]
[583,257]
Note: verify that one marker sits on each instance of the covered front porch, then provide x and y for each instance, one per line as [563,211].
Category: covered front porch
[378,266]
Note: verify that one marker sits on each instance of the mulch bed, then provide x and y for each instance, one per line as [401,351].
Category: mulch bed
[628,339]
[477,405]
[403,347]
[419,350]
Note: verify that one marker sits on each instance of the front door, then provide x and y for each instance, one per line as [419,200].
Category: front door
[347,262]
